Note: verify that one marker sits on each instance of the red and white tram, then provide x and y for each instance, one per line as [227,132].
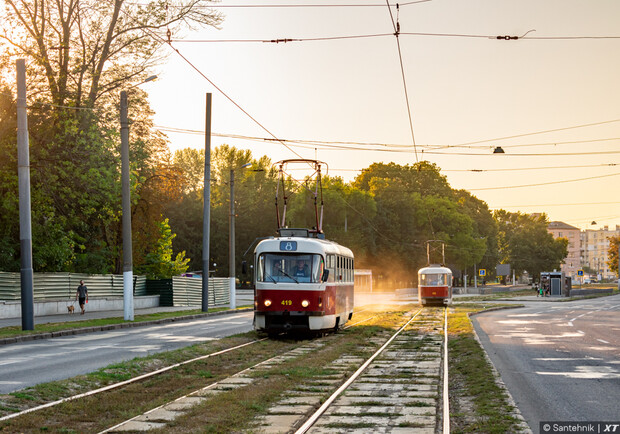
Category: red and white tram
[302,283]
[434,285]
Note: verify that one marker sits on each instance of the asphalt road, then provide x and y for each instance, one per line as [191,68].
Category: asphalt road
[29,363]
[560,361]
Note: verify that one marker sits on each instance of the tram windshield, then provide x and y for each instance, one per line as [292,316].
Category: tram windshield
[296,268]
[435,279]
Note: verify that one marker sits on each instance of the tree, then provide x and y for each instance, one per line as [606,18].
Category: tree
[9,212]
[525,243]
[612,253]
[484,227]
[84,50]
[159,264]
[254,204]
[80,54]
[415,204]
[191,162]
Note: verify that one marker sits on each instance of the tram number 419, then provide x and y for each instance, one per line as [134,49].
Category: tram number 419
[286,302]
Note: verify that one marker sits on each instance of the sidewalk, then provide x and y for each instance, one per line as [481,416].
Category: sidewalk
[67,317]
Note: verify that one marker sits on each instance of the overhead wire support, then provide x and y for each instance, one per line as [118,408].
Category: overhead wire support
[203,75]
[396,26]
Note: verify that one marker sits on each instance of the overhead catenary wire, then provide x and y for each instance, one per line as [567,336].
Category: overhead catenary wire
[316,143]
[396,26]
[538,184]
[382,35]
[385,145]
[303,5]
[166,41]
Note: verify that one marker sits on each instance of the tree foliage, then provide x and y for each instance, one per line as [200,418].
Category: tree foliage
[612,254]
[84,50]
[159,263]
[525,243]
[80,53]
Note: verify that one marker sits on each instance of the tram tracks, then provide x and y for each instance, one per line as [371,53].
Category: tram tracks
[393,369]
[394,389]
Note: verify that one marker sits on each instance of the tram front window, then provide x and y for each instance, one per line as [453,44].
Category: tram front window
[296,268]
[434,279]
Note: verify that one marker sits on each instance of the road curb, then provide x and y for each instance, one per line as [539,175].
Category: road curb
[125,325]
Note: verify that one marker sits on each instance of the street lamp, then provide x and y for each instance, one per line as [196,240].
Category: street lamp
[126,207]
[231,237]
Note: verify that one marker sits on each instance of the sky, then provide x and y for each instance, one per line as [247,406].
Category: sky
[550,99]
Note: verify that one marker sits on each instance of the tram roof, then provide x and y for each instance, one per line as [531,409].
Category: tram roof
[304,245]
[435,269]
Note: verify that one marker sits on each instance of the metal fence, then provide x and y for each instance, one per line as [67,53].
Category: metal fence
[187,291]
[62,286]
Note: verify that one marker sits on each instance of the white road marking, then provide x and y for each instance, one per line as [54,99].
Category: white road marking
[601,340]
[564,359]
[588,373]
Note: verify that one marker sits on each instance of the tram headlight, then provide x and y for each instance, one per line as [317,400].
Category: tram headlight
[267,302]
[305,303]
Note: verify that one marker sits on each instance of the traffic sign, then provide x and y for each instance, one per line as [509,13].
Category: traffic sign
[579,272]
[482,272]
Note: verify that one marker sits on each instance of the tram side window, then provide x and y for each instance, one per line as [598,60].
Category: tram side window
[349,270]
[351,274]
[331,266]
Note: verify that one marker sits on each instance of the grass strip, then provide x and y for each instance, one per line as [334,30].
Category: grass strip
[477,403]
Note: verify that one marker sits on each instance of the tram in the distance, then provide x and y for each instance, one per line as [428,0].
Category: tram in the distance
[303,283]
[435,280]
[435,285]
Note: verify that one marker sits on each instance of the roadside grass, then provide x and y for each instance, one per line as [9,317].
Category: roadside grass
[528,292]
[12,331]
[497,295]
[477,403]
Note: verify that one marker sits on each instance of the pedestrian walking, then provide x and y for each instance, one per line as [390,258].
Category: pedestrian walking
[82,295]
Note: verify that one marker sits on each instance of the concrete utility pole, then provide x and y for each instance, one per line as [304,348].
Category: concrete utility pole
[128,310]
[231,239]
[231,243]
[206,209]
[23,174]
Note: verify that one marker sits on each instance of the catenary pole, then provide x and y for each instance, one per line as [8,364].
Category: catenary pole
[25,227]
[128,310]
[231,242]
[206,209]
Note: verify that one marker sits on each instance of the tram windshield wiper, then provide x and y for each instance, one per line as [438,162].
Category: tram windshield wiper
[288,275]
[271,277]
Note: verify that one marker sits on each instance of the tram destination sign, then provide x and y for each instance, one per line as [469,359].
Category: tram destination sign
[288,246]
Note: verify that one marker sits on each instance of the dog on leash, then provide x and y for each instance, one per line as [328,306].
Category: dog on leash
[70,309]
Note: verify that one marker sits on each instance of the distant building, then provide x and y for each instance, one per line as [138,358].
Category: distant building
[572,262]
[595,248]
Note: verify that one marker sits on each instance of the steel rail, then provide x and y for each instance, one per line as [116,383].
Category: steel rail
[308,424]
[446,395]
[126,382]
